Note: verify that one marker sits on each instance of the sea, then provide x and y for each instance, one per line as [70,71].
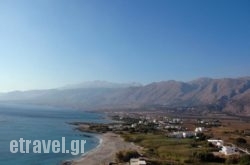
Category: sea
[32,122]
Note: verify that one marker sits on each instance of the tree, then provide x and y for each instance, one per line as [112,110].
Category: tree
[240,141]
[245,160]
[232,160]
[205,156]
[125,156]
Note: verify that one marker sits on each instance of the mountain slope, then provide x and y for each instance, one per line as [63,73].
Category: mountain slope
[100,84]
[232,95]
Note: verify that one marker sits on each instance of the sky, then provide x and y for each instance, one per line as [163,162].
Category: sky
[52,43]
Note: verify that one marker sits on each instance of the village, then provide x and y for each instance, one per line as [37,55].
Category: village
[174,139]
[179,128]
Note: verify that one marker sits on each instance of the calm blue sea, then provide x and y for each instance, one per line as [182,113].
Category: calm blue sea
[41,123]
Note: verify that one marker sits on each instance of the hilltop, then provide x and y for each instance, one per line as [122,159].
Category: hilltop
[226,94]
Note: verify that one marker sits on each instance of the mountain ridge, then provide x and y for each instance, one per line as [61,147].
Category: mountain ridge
[100,84]
[227,94]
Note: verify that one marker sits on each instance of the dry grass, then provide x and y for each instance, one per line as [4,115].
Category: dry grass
[164,148]
[231,129]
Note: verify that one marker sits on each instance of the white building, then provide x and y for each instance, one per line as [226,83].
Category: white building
[228,150]
[199,129]
[134,161]
[218,143]
[182,134]
[172,127]
[187,134]
[133,125]
[176,135]
[175,120]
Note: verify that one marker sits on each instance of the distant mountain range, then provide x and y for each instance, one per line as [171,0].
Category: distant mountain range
[101,84]
[227,94]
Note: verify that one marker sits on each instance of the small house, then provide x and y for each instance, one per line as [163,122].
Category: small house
[228,150]
[134,161]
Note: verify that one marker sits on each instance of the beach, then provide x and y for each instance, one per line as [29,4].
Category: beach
[110,144]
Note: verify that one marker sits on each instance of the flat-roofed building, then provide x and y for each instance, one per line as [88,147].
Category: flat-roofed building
[134,161]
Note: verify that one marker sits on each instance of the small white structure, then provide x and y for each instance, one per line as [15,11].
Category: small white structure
[218,143]
[187,134]
[176,135]
[228,150]
[199,129]
[133,125]
[134,161]
[172,127]
[182,134]
[176,120]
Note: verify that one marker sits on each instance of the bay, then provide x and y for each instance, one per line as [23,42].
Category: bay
[42,123]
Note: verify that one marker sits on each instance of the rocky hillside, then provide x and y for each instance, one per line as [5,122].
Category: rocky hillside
[232,95]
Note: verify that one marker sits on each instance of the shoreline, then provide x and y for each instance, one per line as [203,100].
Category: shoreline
[104,153]
[98,136]
[74,160]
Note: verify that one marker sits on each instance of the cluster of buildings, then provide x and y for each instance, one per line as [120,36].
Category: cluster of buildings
[207,123]
[176,130]
[186,134]
[137,161]
[229,149]
[160,122]
[225,149]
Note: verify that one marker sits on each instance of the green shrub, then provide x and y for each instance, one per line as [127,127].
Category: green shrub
[205,156]
[125,156]
[240,141]
[245,160]
[232,160]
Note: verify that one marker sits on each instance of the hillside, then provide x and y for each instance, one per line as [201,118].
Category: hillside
[231,95]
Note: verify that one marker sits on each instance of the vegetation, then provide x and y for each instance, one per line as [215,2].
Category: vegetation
[234,159]
[240,141]
[202,136]
[125,156]
[159,149]
[205,156]
[163,150]
[245,160]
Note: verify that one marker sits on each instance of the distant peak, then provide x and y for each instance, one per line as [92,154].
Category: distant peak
[202,79]
[101,84]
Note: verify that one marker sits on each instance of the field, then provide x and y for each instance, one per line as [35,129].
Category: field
[169,150]
[164,150]
[231,129]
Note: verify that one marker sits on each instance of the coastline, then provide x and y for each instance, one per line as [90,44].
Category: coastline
[99,136]
[104,153]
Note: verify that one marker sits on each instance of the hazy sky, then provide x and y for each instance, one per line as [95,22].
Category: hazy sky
[50,43]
